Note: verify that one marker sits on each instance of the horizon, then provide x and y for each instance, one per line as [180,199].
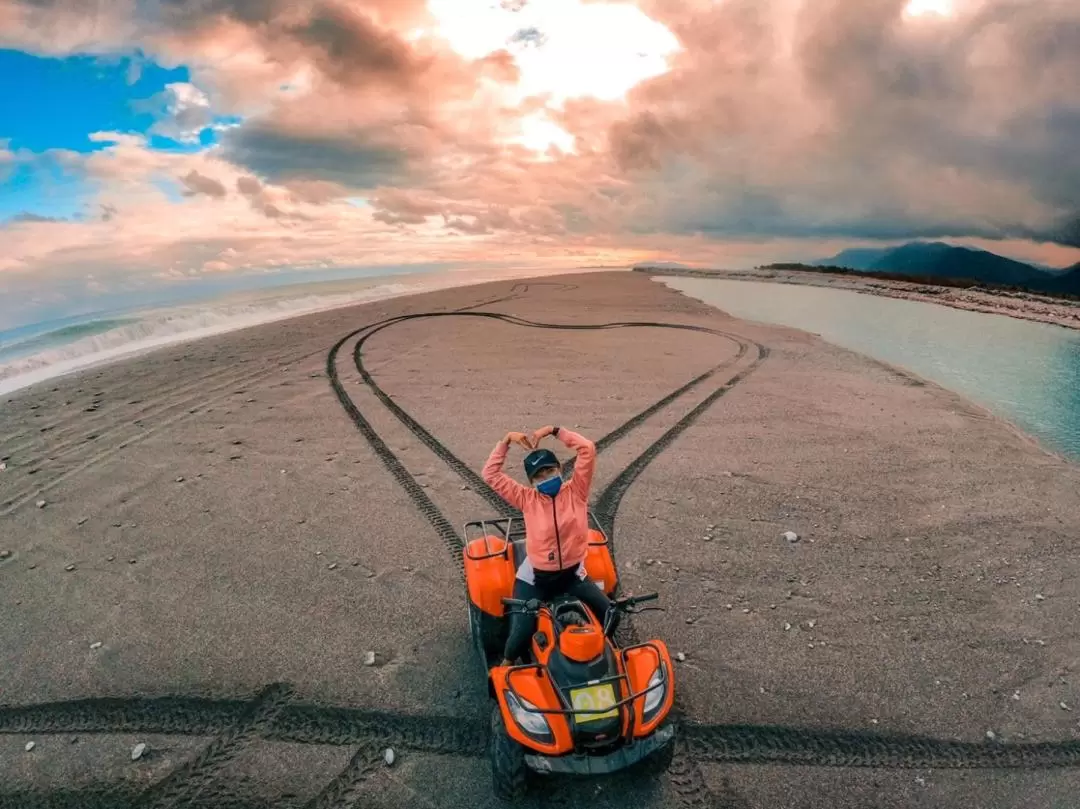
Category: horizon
[148,150]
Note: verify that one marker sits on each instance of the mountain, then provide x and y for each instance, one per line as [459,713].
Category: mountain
[1067,281]
[946,261]
[855,258]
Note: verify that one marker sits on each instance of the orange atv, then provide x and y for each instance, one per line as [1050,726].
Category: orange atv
[580,704]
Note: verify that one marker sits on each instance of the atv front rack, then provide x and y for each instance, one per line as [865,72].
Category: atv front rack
[617,678]
[512,531]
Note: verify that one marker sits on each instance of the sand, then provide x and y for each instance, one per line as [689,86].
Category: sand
[231,528]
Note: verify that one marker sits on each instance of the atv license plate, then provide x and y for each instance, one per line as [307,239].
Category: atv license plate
[593,698]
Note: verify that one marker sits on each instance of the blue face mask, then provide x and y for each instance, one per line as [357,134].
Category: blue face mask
[551,486]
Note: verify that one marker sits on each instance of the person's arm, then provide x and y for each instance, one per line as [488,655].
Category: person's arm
[507,488]
[584,464]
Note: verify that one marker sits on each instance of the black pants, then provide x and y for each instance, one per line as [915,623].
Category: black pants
[550,584]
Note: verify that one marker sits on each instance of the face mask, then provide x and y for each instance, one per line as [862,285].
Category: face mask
[551,486]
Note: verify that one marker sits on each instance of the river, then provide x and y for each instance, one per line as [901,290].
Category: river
[1026,372]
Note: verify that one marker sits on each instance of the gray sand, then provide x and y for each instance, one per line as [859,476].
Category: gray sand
[927,529]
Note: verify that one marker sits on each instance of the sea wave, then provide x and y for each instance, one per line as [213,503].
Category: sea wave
[162,327]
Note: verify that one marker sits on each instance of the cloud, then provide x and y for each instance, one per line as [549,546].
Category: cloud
[196,183]
[363,137]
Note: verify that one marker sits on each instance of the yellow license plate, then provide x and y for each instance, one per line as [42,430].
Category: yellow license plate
[594,698]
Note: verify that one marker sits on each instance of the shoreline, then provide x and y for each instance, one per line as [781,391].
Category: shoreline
[1020,305]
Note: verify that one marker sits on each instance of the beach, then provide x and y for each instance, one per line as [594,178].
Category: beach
[239,521]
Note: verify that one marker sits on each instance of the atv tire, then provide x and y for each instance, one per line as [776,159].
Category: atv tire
[509,774]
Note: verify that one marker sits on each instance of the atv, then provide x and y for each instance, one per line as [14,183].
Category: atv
[580,704]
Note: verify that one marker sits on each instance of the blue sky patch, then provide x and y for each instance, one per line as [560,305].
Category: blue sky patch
[50,103]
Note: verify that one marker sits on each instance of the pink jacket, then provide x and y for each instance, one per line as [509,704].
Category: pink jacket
[556,528]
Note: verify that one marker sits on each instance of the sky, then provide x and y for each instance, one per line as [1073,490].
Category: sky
[150,144]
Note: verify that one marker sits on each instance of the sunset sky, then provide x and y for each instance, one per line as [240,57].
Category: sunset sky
[151,142]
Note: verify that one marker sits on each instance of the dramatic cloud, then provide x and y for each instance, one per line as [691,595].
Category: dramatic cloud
[682,129]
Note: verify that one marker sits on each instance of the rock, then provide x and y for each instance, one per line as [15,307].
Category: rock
[5,554]
[3,466]
[680,657]
[40,504]
[332,566]
[811,624]
[137,751]
[31,566]
[95,645]
[791,536]
[690,620]
[131,561]
[746,611]
[991,735]
[180,479]
[29,746]
[388,756]
[650,561]
[1040,597]
[729,606]
[1064,706]
[787,626]
[82,520]
[109,558]
[69,568]
[710,528]
[369,658]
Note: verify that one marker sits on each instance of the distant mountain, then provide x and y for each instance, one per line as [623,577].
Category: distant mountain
[946,261]
[855,258]
[660,265]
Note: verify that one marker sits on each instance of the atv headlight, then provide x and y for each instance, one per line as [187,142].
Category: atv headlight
[533,724]
[654,697]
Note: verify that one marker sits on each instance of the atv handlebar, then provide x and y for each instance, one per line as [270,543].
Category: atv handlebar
[625,604]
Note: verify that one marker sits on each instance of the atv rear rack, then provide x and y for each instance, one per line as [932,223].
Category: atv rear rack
[512,531]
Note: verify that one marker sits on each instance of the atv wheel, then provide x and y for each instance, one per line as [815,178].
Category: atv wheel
[658,763]
[508,771]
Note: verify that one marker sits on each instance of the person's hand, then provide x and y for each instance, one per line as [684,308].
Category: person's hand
[521,439]
[541,434]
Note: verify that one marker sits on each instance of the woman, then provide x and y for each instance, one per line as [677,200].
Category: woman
[556,526]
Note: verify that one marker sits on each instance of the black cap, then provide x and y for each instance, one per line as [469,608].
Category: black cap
[539,459]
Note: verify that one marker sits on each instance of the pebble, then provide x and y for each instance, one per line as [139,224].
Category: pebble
[811,624]
[690,620]
[29,746]
[787,627]
[5,554]
[728,606]
[82,520]
[991,735]
[31,566]
[131,561]
[710,527]
[707,538]
[746,611]
[650,561]
[69,568]
[3,467]
[791,536]
[137,751]
[388,756]
[331,566]
[680,657]
[109,558]
[369,659]
[1064,706]
[180,479]
[95,645]
[40,504]
[1040,597]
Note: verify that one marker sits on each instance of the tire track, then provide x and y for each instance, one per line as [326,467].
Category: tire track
[475,482]
[267,716]
[184,785]
[15,501]
[686,776]
[347,787]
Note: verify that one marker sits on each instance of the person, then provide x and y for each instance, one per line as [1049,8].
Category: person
[556,527]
